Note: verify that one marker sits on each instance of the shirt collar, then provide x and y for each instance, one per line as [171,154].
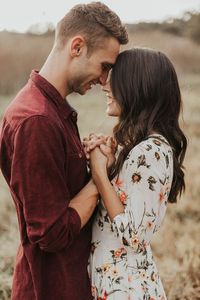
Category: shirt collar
[52,93]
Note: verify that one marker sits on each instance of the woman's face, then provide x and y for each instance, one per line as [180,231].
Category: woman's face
[113,108]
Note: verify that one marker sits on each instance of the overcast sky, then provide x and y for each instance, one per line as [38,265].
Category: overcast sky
[19,15]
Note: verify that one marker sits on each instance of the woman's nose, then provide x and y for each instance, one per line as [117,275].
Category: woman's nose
[106,87]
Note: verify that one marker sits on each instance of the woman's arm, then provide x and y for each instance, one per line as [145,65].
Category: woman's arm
[111,201]
[145,188]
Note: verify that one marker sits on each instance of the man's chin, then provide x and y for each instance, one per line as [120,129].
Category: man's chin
[82,91]
[79,89]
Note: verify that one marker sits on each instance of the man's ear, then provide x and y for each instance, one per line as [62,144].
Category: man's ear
[77,45]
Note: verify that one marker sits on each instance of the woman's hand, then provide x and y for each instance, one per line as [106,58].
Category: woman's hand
[106,144]
[93,141]
[109,149]
[98,163]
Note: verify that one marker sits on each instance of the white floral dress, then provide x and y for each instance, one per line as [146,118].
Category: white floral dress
[121,262]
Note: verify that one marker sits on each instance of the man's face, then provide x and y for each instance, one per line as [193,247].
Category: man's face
[94,69]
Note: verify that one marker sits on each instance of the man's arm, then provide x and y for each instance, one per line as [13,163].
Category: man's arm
[88,196]
[38,180]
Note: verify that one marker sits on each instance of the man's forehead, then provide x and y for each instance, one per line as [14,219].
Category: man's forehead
[110,57]
[111,48]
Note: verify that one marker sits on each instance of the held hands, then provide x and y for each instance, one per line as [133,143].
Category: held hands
[98,163]
[100,150]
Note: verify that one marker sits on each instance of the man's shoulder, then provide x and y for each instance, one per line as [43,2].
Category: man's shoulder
[29,102]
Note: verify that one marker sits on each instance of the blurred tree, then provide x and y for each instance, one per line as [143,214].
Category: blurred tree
[42,29]
[193,27]
[188,25]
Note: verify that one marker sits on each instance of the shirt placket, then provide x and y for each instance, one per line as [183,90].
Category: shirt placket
[70,123]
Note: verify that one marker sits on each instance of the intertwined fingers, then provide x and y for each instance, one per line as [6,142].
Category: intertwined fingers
[97,140]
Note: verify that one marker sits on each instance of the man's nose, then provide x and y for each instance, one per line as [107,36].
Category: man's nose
[103,78]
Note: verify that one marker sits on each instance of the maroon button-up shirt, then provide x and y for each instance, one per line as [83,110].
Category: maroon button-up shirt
[42,160]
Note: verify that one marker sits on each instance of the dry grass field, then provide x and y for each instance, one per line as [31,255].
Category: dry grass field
[177,246]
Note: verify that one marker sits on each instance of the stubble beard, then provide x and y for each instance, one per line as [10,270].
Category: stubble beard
[76,86]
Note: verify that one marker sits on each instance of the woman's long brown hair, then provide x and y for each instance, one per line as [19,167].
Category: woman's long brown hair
[145,85]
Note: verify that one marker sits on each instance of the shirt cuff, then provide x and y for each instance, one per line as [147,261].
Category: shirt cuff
[76,219]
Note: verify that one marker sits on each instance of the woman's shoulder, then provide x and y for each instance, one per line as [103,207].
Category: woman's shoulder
[154,147]
[155,142]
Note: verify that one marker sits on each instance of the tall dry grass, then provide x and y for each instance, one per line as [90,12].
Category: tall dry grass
[19,54]
[177,246]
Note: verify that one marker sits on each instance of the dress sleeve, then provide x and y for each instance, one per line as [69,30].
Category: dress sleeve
[38,180]
[146,189]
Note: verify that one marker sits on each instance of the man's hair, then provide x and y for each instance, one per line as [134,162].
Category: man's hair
[95,21]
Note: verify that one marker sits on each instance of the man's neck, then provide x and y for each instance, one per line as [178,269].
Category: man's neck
[54,73]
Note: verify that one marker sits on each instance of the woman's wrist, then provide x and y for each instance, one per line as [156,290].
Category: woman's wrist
[99,174]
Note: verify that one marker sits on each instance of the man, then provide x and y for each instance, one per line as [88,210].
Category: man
[43,161]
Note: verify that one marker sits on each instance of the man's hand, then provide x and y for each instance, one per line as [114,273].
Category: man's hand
[93,141]
[106,144]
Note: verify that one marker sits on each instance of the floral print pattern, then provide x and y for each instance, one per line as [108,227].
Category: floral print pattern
[121,262]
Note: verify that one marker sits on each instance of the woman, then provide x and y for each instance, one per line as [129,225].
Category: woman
[144,94]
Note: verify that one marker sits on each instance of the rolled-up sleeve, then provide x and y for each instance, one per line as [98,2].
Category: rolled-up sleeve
[38,180]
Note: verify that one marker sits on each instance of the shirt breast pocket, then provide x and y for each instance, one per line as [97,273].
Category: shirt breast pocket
[77,173]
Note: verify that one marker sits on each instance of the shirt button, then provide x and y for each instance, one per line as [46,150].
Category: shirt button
[74,114]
